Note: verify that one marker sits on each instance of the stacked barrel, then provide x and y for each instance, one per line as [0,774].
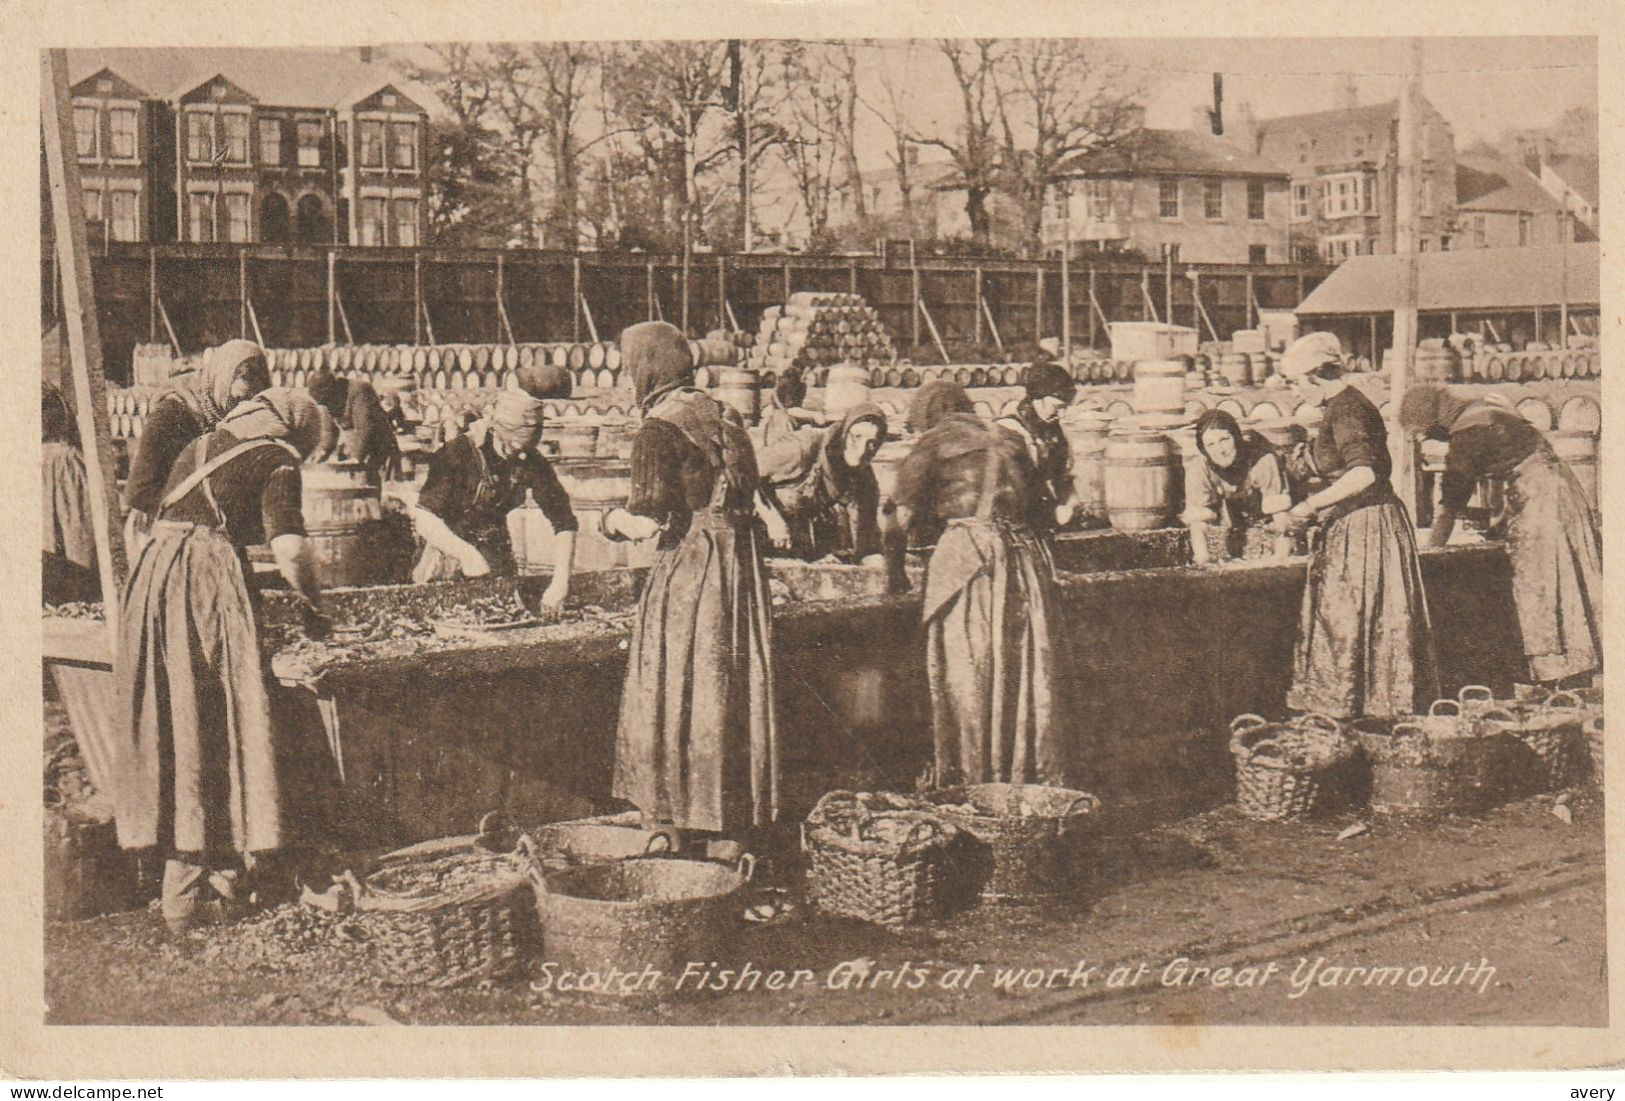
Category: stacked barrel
[594,366]
[818,330]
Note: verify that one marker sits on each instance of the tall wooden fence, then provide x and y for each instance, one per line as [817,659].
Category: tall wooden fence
[198,295]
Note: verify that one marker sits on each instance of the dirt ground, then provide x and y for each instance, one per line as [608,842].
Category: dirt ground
[1498,919]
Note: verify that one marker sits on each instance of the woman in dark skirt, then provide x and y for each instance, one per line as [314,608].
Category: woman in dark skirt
[1551,533]
[697,744]
[995,637]
[198,773]
[1365,645]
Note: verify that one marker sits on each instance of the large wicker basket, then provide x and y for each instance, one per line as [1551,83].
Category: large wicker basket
[1286,771]
[876,859]
[1551,737]
[446,912]
[1021,836]
[1418,769]
[1594,747]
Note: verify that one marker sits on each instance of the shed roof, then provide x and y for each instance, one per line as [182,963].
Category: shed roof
[1465,280]
[1486,182]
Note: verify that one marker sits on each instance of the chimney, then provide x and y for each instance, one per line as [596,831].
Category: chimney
[1242,126]
[1348,93]
[365,53]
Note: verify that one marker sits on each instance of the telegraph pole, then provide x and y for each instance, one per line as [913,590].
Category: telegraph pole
[1407,231]
[736,72]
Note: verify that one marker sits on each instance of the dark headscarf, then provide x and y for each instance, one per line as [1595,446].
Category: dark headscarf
[656,355]
[1048,380]
[281,413]
[1432,410]
[543,381]
[1250,447]
[56,424]
[936,400]
[790,390]
[208,393]
[331,392]
[834,456]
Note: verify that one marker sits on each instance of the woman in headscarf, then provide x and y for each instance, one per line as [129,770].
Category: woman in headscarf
[995,638]
[69,546]
[697,743]
[932,402]
[364,433]
[233,372]
[475,481]
[1037,420]
[823,482]
[1551,532]
[197,767]
[1365,644]
[1237,483]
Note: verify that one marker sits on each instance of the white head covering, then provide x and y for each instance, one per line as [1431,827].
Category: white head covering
[1309,353]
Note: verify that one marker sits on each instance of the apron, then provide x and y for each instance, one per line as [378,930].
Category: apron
[485,525]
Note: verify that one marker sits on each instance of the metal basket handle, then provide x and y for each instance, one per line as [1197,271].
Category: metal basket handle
[1593,725]
[1067,824]
[1263,745]
[747,866]
[1403,733]
[1248,721]
[666,834]
[1577,703]
[1500,714]
[1480,694]
[1439,705]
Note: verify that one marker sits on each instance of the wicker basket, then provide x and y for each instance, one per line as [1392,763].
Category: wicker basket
[446,912]
[1421,770]
[1021,836]
[598,840]
[1594,747]
[1551,736]
[1474,699]
[646,914]
[1286,771]
[875,860]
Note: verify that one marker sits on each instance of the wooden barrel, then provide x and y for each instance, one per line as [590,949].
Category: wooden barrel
[612,356]
[1591,363]
[740,389]
[1159,386]
[1516,366]
[845,386]
[1141,467]
[341,510]
[576,357]
[1086,435]
[574,439]
[1236,368]
[1579,451]
[559,355]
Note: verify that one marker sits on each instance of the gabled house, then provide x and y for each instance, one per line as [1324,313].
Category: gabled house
[1500,205]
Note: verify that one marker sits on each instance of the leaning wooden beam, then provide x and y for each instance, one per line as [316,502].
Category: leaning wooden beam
[84,333]
[936,337]
[586,313]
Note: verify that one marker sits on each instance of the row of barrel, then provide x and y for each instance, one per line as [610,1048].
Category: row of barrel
[1446,365]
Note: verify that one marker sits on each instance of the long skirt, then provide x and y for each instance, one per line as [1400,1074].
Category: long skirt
[1556,555]
[697,744]
[1365,643]
[994,640]
[196,766]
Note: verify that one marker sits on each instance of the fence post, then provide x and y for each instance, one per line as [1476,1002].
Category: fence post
[417,297]
[787,291]
[152,294]
[575,296]
[1251,298]
[852,276]
[976,306]
[1038,304]
[649,290]
[1094,339]
[722,293]
[332,310]
[914,304]
[242,293]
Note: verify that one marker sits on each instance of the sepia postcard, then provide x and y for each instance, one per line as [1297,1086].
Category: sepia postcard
[915,538]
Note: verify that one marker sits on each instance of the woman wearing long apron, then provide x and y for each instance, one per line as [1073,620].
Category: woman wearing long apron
[68,549]
[994,631]
[1365,645]
[1551,533]
[697,744]
[231,373]
[197,769]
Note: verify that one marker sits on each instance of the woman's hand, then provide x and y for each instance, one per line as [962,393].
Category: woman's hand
[778,532]
[473,563]
[1064,513]
[556,593]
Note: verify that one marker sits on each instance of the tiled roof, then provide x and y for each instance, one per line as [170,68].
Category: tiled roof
[286,78]
[1334,121]
[1579,173]
[1486,182]
[1187,152]
[1462,280]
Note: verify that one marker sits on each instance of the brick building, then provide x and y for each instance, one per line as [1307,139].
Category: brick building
[1344,165]
[314,147]
[1500,205]
[1181,194]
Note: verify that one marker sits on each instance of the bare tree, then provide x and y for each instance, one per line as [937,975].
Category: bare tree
[818,126]
[1057,98]
[564,73]
[891,100]
[973,144]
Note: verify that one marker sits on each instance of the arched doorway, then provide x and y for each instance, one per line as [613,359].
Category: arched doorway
[314,228]
[274,220]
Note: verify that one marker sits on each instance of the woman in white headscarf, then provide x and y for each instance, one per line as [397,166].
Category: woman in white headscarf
[197,769]
[475,481]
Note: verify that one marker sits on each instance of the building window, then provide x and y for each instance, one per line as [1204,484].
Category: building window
[1255,200]
[1424,244]
[404,142]
[1345,194]
[237,228]
[406,222]
[126,223]
[1100,199]
[310,144]
[372,221]
[372,145]
[1523,228]
[1479,234]
[1212,199]
[1170,252]
[93,205]
[235,127]
[201,221]
[84,128]
[1368,187]
[271,142]
[1168,198]
[1444,243]
[1338,249]
[1302,197]
[199,137]
[1258,254]
[121,124]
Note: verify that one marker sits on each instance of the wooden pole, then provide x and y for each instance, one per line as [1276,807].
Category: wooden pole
[174,342]
[649,290]
[722,293]
[935,336]
[152,295]
[1405,318]
[914,289]
[242,293]
[980,305]
[852,277]
[83,328]
[1066,277]
[1252,302]
[1038,304]
[787,291]
[575,295]
[502,305]
[332,311]
[1563,306]
[417,297]
[1094,336]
